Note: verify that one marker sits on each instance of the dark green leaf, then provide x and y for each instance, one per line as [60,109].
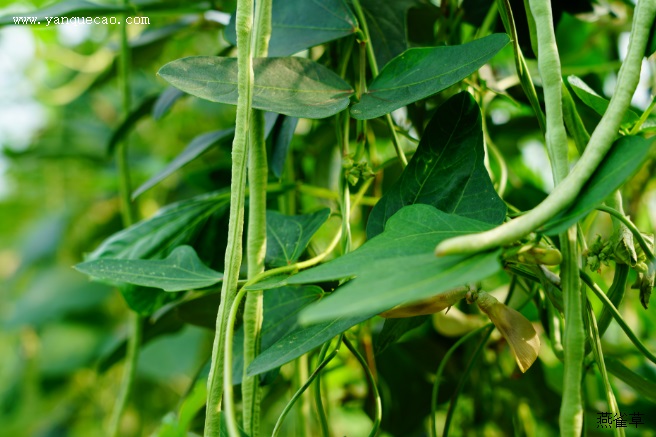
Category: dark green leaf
[596,102]
[301,341]
[387,27]
[194,149]
[172,226]
[299,24]
[142,110]
[288,236]
[181,270]
[447,170]
[625,158]
[281,138]
[421,72]
[281,308]
[297,87]
[199,145]
[394,329]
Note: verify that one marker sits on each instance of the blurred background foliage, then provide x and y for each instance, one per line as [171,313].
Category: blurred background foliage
[59,108]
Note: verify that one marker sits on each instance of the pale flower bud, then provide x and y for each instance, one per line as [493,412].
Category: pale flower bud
[431,305]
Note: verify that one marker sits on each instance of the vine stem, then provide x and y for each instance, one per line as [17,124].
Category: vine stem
[128,217]
[258,172]
[233,256]
[600,142]
[373,66]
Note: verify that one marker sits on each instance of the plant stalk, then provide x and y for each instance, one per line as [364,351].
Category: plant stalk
[233,256]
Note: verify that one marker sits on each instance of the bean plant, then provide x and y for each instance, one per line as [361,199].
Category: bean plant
[355,224]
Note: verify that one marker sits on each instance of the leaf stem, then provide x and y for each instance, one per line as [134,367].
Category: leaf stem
[440,371]
[299,393]
[378,408]
[600,142]
[629,224]
[373,66]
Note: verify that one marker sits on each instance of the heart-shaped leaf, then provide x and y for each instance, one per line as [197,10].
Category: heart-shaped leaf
[447,170]
[288,236]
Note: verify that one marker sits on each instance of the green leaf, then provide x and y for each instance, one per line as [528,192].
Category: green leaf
[181,270]
[386,22]
[639,383]
[281,308]
[420,72]
[288,236]
[414,230]
[280,139]
[172,226]
[598,103]
[624,159]
[301,341]
[165,100]
[297,87]
[299,24]
[130,121]
[396,281]
[199,145]
[447,170]
[194,149]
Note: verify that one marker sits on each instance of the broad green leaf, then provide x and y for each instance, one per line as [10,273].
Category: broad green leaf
[297,87]
[171,226]
[623,160]
[386,22]
[394,329]
[598,103]
[421,72]
[639,383]
[447,170]
[281,308]
[395,281]
[299,24]
[194,149]
[301,341]
[153,238]
[181,270]
[414,230]
[288,236]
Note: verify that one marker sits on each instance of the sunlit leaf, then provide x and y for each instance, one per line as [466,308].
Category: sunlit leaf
[598,103]
[297,87]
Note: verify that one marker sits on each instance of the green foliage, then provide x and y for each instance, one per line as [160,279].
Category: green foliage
[353,90]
